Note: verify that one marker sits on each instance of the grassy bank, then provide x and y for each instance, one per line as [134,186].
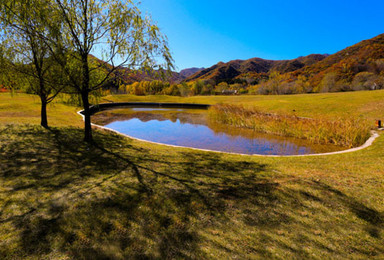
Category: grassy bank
[359,105]
[342,132]
[61,198]
[22,108]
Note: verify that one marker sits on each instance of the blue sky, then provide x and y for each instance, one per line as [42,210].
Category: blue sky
[202,33]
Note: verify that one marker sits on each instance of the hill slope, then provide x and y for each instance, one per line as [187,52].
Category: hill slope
[366,56]
[126,76]
[357,67]
[230,70]
[185,73]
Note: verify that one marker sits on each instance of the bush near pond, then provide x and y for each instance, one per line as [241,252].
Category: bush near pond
[342,132]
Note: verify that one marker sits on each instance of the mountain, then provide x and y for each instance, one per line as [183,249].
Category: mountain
[366,56]
[185,73]
[360,66]
[127,76]
[230,70]
[292,65]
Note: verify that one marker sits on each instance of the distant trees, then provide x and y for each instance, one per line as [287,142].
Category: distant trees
[157,87]
[367,81]
[222,86]
[328,82]
[302,85]
[274,83]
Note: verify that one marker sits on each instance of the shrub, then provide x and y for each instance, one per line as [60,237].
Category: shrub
[347,133]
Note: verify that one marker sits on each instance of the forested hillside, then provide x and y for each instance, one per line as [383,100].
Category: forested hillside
[359,67]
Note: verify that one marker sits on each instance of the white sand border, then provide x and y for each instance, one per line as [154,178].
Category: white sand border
[368,143]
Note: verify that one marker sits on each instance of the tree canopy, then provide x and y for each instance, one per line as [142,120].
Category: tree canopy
[25,55]
[68,32]
[117,31]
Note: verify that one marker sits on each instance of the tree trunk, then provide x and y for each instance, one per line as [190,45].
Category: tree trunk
[85,98]
[87,118]
[44,120]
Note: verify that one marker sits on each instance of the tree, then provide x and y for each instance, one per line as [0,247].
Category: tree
[197,87]
[328,82]
[7,77]
[302,85]
[222,86]
[25,52]
[274,82]
[184,89]
[114,29]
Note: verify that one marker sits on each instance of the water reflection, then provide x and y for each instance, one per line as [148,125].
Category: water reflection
[192,128]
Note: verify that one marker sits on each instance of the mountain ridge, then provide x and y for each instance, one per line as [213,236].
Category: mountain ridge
[346,63]
[224,71]
[357,64]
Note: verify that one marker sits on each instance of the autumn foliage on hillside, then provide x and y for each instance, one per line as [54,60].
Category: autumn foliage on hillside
[360,63]
[359,67]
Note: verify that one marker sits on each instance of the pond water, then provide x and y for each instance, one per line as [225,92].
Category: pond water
[192,128]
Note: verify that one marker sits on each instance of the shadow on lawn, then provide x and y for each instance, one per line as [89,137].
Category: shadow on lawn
[113,200]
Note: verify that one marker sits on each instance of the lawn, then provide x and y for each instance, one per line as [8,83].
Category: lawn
[360,104]
[61,198]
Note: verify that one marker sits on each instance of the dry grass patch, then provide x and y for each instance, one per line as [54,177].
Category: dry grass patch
[342,132]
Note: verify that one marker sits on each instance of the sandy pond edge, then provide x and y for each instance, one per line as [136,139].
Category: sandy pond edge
[368,143]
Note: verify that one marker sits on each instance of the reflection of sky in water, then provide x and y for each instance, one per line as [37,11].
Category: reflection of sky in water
[201,136]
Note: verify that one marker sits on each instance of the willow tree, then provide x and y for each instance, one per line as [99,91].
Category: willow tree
[114,30]
[23,31]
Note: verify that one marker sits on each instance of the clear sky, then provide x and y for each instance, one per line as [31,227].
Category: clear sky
[204,32]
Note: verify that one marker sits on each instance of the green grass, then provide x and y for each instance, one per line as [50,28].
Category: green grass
[61,198]
[360,104]
[25,109]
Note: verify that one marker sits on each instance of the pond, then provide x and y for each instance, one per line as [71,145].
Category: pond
[193,128]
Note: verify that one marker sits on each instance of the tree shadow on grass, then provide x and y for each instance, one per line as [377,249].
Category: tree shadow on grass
[373,218]
[116,200]
[80,195]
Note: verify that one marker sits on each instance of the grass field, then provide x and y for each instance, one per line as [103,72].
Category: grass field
[61,198]
[361,104]
[25,109]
